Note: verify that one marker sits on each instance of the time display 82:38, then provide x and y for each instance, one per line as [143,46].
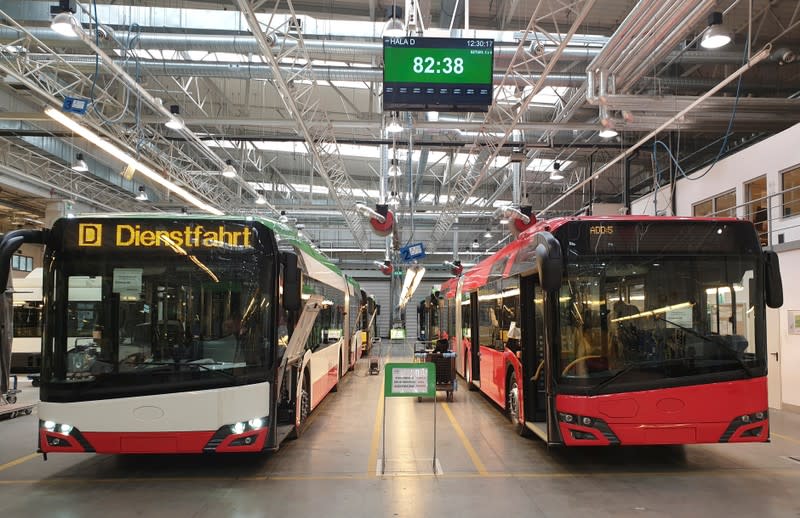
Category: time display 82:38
[430,65]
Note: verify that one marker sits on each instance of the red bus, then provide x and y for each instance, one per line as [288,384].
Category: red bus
[621,330]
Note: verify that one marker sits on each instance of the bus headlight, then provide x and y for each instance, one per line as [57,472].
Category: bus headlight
[49,426]
[238,428]
[256,423]
[66,429]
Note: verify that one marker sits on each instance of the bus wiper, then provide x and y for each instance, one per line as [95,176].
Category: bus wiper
[179,366]
[710,339]
[596,389]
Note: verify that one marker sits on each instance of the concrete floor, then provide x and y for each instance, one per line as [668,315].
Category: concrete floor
[486,470]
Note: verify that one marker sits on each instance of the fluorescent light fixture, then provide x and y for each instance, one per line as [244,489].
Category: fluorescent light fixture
[608,133]
[124,157]
[228,171]
[64,24]
[80,164]
[410,283]
[504,221]
[432,116]
[717,34]
[394,168]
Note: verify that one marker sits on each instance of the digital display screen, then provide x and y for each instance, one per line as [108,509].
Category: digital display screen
[440,74]
[661,237]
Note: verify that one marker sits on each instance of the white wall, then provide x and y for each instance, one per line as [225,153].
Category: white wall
[769,157]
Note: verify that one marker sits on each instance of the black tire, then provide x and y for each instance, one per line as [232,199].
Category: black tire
[11,399]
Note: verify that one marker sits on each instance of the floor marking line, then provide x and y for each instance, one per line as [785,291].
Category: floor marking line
[473,455]
[785,437]
[19,461]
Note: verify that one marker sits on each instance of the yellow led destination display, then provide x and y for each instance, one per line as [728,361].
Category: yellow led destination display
[125,235]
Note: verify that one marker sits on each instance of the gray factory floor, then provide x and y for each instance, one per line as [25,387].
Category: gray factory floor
[483,470]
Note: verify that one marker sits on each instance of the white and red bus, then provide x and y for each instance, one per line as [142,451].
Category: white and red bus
[184,334]
[622,330]
[26,353]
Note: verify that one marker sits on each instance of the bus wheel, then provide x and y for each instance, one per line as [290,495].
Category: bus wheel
[338,378]
[305,404]
[513,403]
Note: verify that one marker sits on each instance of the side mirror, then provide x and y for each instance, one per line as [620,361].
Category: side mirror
[772,280]
[291,282]
[549,261]
[10,243]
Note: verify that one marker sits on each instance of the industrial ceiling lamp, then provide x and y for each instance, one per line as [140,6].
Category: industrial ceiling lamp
[64,22]
[607,133]
[487,234]
[717,34]
[394,168]
[228,171]
[260,200]
[284,218]
[555,174]
[394,200]
[394,26]
[80,164]
[394,126]
[142,196]
[175,122]
[475,243]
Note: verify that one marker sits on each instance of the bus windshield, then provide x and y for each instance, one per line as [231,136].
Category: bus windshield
[125,324]
[644,321]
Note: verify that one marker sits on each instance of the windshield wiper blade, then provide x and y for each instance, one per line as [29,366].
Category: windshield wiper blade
[179,366]
[711,339]
[630,367]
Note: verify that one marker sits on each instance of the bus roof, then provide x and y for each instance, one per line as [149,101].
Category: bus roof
[518,255]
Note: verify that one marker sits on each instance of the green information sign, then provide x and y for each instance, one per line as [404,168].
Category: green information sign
[410,380]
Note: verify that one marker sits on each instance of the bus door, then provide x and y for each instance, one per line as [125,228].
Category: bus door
[475,349]
[533,350]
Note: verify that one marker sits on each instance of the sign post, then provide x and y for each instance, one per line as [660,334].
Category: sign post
[408,380]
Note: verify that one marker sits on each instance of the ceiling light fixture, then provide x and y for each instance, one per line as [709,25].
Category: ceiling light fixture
[475,243]
[142,196]
[394,168]
[504,221]
[228,171]
[607,133]
[717,34]
[487,234]
[394,200]
[64,23]
[284,218]
[394,126]
[124,157]
[175,122]
[260,200]
[80,164]
[394,26]
[555,174]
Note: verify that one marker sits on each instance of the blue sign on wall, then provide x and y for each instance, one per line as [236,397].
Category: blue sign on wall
[412,252]
[75,105]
